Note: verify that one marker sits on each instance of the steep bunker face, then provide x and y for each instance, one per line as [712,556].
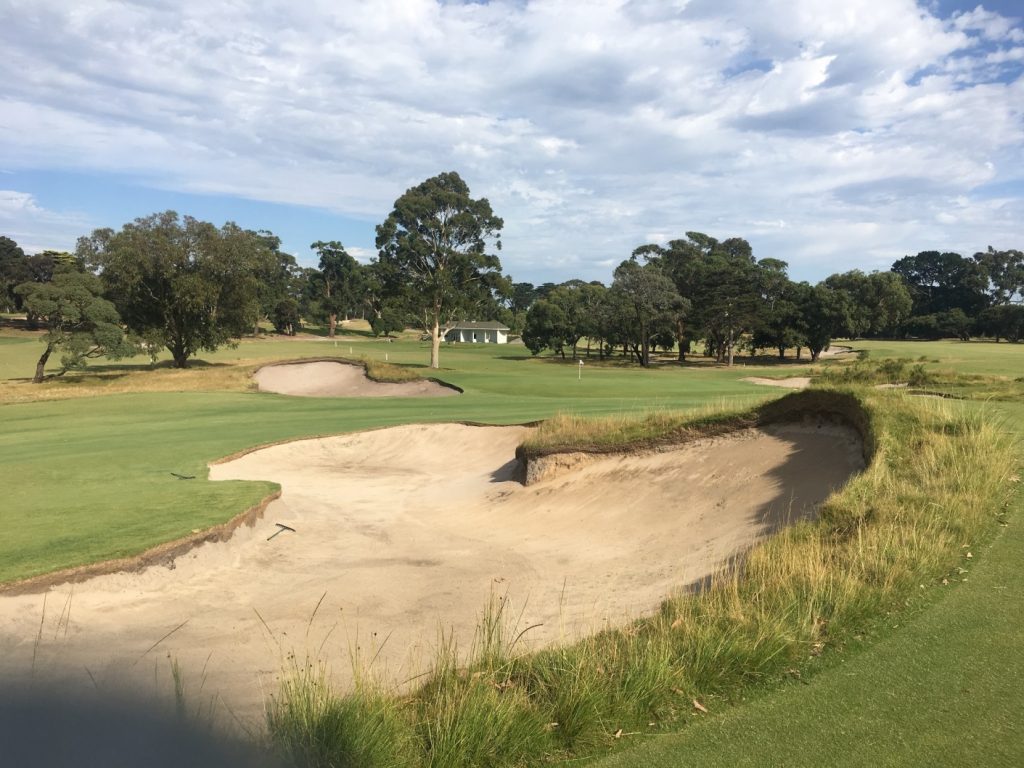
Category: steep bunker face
[401,533]
[336,379]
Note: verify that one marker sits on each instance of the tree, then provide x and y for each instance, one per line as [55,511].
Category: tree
[651,297]
[387,322]
[1002,321]
[722,282]
[939,282]
[285,316]
[77,320]
[1005,271]
[277,277]
[338,281]
[879,302]
[182,284]
[823,311]
[521,298]
[546,326]
[435,243]
[13,272]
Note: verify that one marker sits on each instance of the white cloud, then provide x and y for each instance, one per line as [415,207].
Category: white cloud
[587,125]
[33,227]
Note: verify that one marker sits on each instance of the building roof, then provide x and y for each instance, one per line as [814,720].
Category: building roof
[473,325]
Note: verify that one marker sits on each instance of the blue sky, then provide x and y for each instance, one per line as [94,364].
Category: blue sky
[832,136]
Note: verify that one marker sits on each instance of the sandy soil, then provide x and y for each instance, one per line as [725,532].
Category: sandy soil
[405,532]
[793,382]
[327,379]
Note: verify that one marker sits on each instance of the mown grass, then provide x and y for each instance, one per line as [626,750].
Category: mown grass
[939,478]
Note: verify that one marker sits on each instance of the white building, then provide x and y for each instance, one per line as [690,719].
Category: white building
[480,333]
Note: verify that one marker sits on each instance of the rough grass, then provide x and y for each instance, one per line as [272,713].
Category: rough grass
[921,376]
[939,477]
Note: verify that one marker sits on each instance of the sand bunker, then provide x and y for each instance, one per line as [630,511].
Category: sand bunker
[334,379]
[408,530]
[793,382]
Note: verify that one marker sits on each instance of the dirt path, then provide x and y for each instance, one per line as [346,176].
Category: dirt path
[406,531]
[327,379]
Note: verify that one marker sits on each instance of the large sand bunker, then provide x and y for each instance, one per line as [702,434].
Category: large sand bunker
[405,532]
[323,378]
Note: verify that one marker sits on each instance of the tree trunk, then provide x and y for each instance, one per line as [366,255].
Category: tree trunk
[41,365]
[782,353]
[179,354]
[814,355]
[333,324]
[435,343]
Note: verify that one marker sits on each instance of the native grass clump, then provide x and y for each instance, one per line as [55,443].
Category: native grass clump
[922,377]
[939,478]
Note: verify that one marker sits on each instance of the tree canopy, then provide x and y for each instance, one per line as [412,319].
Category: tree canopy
[76,319]
[182,284]
[433,247]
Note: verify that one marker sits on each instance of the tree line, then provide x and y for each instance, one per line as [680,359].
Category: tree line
[164,282]
[188,286]
[698,289]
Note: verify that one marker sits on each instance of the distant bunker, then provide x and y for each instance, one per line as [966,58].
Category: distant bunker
[333,378]
[401,532]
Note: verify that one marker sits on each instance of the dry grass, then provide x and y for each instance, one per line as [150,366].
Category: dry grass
[95,382]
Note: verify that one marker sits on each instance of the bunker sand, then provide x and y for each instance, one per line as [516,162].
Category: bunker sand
[405,532]
[332,379]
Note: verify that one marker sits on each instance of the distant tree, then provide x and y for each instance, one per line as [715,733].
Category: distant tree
[1005,321]
[721,280]
[286,316]
[780,323]
[182,284]
[879,302]
[652,298]
[1005,272]
[940,282]
[277,279]
[13,272]
[823,311]
[77,320]
[338,281]
[434,248]
[521,297]
[390,320]
[547,327]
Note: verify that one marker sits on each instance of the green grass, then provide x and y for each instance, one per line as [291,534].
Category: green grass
[984,357]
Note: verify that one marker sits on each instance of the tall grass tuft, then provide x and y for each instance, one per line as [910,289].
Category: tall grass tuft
[311,725]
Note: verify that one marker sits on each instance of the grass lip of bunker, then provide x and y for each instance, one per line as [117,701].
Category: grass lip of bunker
[333,377]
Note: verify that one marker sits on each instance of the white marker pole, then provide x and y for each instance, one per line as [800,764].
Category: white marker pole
[385,357]
[579,376]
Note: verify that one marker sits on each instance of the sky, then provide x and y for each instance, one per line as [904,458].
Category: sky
[833,136]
